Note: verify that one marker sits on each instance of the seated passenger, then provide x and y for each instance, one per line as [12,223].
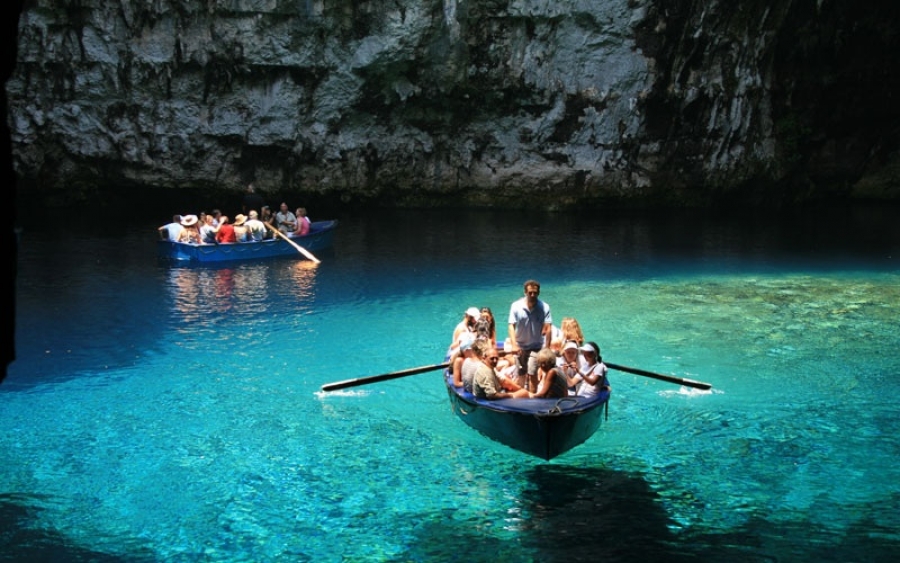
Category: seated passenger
[285,221]
[552,383]
[594,377]
[486,384]
[568,364]
[486,326]
[190,234]
[267,217]
[465,358]
[208,230]
[465,327]
[240,229]
[571,330]
[256,229]
[303,222]
[225,232]
[556,344]
[170,231]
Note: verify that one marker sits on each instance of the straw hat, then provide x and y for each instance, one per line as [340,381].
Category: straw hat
[189,220]
[239,220]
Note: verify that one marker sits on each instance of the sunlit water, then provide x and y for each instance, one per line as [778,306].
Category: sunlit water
[166,413]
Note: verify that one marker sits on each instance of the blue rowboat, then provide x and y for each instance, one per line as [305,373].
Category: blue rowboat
[320,236]
[544,428]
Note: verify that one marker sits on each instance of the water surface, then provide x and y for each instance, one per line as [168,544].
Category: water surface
[167,413]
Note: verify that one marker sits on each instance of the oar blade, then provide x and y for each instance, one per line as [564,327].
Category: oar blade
[299,248]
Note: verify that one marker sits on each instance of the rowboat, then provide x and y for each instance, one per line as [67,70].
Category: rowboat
[543,428]
[320,236]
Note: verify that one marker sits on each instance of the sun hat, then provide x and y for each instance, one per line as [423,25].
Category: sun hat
[571,345]
[239,219]
[473,312]
[590,347]
[465,342]
[188,220]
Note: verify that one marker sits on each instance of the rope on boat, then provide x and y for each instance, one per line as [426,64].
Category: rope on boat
[557,408]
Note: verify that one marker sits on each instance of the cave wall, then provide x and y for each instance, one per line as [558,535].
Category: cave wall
[500,102]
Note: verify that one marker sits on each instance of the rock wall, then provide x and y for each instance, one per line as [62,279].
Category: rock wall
[494,102]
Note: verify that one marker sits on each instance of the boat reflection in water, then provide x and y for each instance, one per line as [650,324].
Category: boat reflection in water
[252,288]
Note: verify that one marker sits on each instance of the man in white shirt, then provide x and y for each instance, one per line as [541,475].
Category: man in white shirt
[530,329]
[256,229]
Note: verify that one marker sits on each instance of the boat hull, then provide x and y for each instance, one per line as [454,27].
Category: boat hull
[321,236]
[543,428]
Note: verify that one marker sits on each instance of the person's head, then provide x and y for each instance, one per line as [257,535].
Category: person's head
[253,214]
[283,207]
[208,219]
[265,210]
[487,314]
[472,315]
[556,344]
[250,188]
[591,352]
[570,351]
[301,212]
[489,354]
[176,218]
[571,329]
[223,220]
[532,290]
[216,213]
[546,358]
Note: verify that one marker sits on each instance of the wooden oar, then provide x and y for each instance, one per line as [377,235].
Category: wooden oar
[669,378]
[383,377]
[299,248]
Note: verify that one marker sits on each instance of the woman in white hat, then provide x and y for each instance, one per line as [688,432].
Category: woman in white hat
[593,378]
[466,327]
[568,365]
[240,229]
[190,234]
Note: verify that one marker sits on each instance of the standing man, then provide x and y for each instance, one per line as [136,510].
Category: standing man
[252,200]
[530,329]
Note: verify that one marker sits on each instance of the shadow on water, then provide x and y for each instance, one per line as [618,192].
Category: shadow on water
[22,541]
[571,514]
[594,514]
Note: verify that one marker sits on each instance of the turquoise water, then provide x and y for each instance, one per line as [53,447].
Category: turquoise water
[164,413]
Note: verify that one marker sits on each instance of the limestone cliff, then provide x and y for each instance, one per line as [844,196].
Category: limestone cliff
[485,102]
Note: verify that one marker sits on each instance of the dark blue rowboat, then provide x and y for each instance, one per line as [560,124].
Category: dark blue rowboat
[544,428]
[320,236]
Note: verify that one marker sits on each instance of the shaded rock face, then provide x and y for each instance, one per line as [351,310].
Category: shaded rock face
[496,102]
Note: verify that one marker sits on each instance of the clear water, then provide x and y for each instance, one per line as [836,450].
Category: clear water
[163,413]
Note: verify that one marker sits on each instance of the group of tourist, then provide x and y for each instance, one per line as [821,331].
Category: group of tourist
[216,228]
[539,359]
